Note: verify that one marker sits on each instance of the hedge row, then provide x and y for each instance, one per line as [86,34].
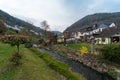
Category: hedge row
[111,52]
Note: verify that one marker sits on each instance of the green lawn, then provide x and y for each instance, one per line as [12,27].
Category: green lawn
[77,47]
[6,51]
[32,68]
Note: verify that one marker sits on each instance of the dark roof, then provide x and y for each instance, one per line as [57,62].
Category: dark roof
[95,26]
[108,32]
[103,26]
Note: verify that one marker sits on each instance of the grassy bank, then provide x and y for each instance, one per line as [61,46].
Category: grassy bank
[66,50]
[32,67]
[77,47]
[58,66]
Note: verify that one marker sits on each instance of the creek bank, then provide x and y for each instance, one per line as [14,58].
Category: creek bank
[56,65]
[87,60]
[87,72]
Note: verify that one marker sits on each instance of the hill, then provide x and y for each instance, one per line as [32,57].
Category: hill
[98,18]
[15,22]
[57,32]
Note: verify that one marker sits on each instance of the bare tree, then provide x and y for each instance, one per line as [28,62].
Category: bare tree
[2,27]
[45,27]
[52,38]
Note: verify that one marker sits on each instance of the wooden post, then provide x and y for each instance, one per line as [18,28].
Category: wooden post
[92,44]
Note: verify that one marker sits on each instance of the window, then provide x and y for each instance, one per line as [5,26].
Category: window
[103,39]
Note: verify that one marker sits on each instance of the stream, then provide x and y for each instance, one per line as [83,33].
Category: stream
[78,67]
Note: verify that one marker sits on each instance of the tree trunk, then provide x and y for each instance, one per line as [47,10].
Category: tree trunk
[18,48]
[64,41]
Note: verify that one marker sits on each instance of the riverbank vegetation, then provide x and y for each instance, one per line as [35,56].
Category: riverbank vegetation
[111,52]
[106,59]
[77,47]
[60,67]
[70,49]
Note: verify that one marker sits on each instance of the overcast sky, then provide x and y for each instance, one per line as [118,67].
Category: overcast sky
[59,14]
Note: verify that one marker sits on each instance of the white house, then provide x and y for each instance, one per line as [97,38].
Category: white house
[78,35]
[100,28]
[112,25]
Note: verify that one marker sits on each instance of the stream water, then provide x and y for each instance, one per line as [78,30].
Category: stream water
[78,67]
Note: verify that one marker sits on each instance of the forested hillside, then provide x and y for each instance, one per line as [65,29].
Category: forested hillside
[12,21]
[98,18]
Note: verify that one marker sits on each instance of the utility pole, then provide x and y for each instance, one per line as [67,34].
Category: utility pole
[92,44]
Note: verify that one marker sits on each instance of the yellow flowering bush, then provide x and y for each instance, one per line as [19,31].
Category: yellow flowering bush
[83,50]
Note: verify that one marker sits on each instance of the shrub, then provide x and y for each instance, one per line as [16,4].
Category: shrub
[112,73]
[83,50]
[16,59]
[111,52]
[15,40]
[41,41]
[10,31]
[28,45]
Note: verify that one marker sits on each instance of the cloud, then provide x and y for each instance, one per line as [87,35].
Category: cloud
[37,10]
[59,13]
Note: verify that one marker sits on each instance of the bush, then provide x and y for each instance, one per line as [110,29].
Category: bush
[16,59]
[112,73]
[41,41]
[83,50]
[111,52]
[28,45]
[15,40]
[10,31]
